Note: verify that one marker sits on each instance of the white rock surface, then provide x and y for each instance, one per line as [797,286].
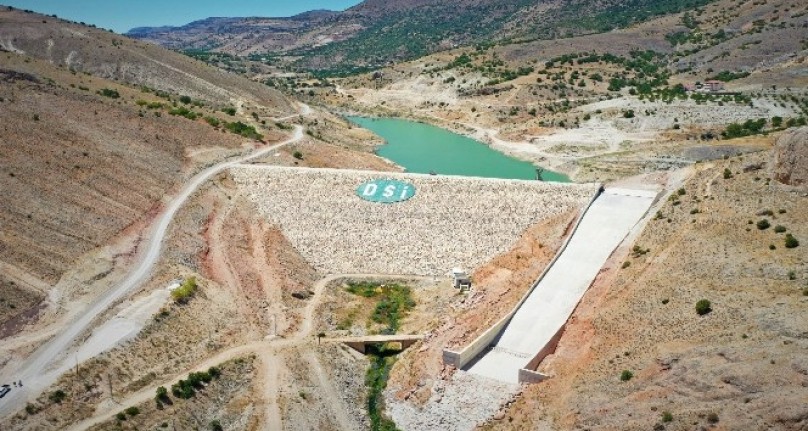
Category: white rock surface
[450,222]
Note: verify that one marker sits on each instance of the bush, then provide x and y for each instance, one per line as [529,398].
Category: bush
[667,417]
[106,92]
[161,395]
[727,173]
[298,155]
[185,99]
[242,129]
[57,396]
[215,425]
[132,411]
[791,242]
[626,375]
[184,112]
[629,114]
[213,121]
[121,416]
[712,418]
[703,307]
[229,111]
[779,228]
[185,291]
[763,224]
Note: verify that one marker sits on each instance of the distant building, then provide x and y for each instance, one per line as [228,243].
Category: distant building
[713,85]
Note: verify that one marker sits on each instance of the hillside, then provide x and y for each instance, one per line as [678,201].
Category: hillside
[84,49]
[89,151]
[607,105]
[375,33]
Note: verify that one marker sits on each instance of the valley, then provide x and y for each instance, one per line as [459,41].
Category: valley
[195,235]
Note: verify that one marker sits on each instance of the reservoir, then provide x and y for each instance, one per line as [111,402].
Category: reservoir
[423,148]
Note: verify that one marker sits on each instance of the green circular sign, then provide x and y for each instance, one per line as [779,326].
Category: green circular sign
[385,191]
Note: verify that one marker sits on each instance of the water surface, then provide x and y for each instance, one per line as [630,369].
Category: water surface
[423,148]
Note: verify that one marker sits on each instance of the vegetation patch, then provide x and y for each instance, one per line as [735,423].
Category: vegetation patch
[393,302]
[703,307]
[245,130]
[186,290]
[376,381]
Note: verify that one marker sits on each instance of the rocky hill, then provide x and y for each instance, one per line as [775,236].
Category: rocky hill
[375,33]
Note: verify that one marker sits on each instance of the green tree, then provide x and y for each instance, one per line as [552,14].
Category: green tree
[703,307]
[791,242]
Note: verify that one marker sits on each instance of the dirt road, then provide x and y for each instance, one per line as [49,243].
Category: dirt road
[32,371]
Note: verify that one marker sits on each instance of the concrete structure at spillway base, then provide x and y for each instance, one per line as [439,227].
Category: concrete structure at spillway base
[512,349]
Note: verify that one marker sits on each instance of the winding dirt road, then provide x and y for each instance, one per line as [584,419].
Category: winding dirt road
[33,371]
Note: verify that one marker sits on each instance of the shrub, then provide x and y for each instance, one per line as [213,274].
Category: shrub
[626,264]
[245,130]
[132,411]
[626,375]
[57,396]
[121,416]
[184,112]
[703,307]
[727,173]
[791,242]
[229,110]
[106,92]
[779,228]
[161,395]
[712,418]
[213,121]
[185,291]
[185,99]
[763,224]
[298,155]
[215,425]
[667,417]
[629,114]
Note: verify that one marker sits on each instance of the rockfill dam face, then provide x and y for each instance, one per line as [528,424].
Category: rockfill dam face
[444,222]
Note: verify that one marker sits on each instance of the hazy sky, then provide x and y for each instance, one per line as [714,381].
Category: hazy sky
[122,15]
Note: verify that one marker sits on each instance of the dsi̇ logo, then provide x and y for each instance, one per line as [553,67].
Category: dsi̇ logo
[385,191]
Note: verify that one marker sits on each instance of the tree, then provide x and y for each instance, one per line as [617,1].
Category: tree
[215,425]
[703,307]
[791,242]
[763,224]
[57,396]
[185,99]
[626,375]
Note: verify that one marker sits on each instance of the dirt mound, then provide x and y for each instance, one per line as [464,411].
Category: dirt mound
[791,158]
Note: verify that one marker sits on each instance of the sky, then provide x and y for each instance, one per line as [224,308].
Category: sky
[123,15]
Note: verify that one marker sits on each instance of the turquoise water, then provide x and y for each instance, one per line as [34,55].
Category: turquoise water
[423,148]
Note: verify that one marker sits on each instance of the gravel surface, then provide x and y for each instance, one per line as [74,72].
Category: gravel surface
[460,403]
